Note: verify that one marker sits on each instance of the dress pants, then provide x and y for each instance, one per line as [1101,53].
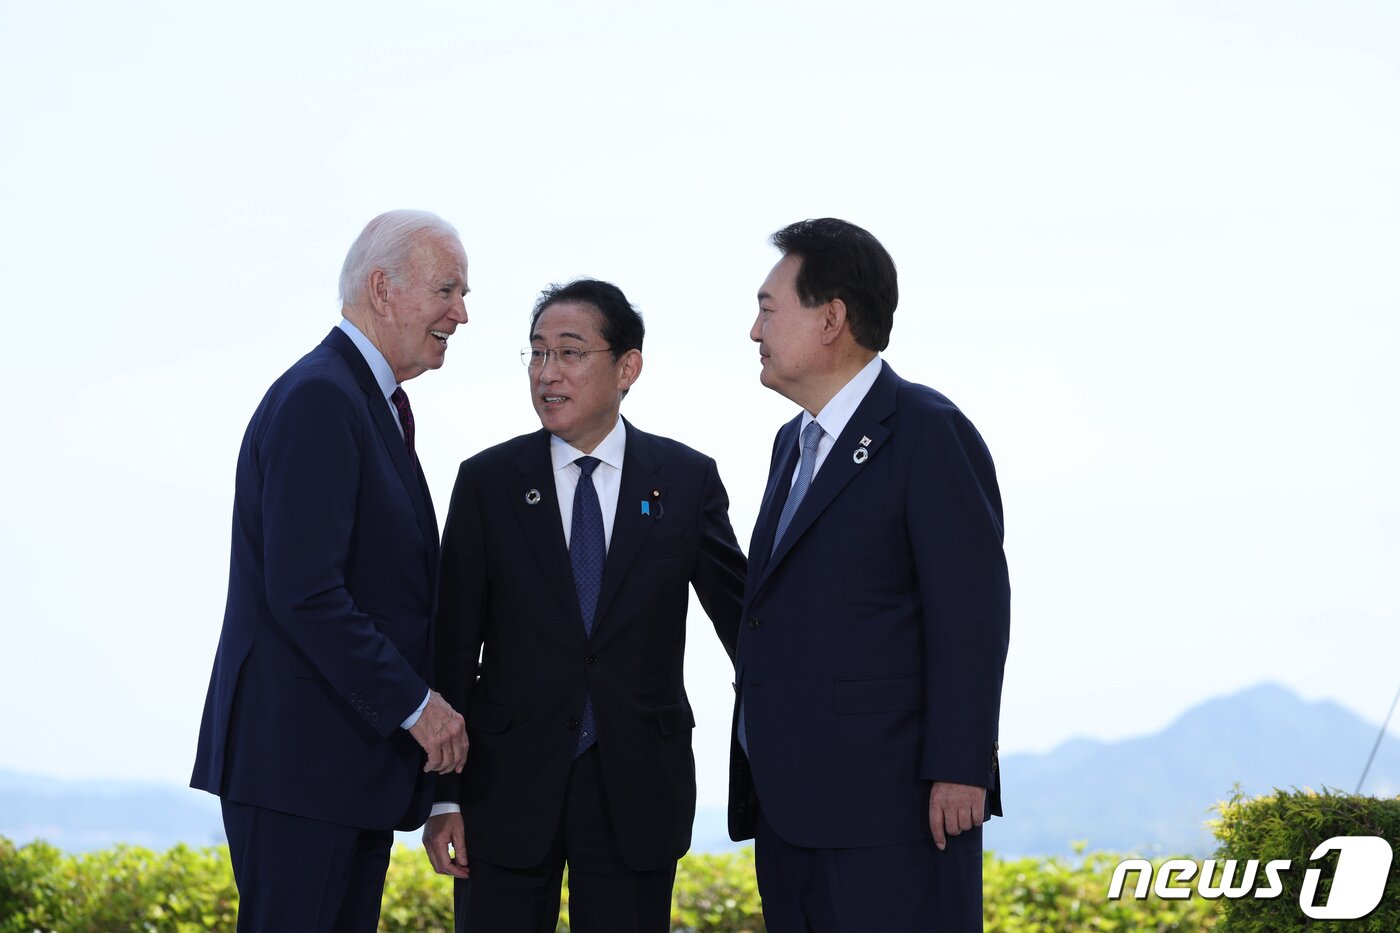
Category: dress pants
[910,887]
[605,896]
[295,873]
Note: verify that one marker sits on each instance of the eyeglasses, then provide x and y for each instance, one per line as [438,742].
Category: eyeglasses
[534,357]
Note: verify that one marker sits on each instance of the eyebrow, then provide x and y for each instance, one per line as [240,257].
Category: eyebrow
[764,296]
[579,337]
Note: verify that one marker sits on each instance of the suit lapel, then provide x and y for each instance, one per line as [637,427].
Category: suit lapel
[405,464]
[784,461]
[840,466]
[536,505]
[640,478]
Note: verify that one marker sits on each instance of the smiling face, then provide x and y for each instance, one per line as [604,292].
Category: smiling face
[579,404]
[416,313]
[789,335]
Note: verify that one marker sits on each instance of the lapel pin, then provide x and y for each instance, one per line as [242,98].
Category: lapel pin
[646,507]
[652,506]
[532,497]
[861,455]
[865,441]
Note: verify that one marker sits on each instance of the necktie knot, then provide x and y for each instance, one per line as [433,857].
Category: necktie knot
[400,400]
[587,465]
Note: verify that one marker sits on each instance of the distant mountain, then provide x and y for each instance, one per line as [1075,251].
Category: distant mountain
[1150,794]
[1153,794]
[93,814]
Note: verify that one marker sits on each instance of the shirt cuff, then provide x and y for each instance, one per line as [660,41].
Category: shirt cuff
[446,807]
[412,719]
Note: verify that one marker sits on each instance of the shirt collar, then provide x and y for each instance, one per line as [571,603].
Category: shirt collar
[610,450]
[378,365]
[837,413]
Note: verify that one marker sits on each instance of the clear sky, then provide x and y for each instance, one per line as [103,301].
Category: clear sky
[1149,248]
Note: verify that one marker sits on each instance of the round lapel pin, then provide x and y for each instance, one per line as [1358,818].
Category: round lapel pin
[532,497]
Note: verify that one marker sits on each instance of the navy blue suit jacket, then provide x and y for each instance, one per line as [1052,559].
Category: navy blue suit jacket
[508,598]
[325,648]
[873,639]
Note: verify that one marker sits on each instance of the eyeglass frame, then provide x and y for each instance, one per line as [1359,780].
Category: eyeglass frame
[527,356]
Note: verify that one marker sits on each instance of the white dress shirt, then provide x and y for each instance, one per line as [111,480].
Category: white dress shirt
[838,412]
[607,478]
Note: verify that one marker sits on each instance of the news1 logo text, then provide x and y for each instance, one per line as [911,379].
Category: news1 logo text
[1358,883]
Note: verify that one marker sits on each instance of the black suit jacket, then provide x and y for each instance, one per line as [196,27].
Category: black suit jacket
[325,647]
[874,637]
[507,594]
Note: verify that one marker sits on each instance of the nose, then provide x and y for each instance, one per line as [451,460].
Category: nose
[551,370]
[458,312]
[756,332]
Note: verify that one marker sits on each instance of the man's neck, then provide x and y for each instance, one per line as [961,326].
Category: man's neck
[813,400]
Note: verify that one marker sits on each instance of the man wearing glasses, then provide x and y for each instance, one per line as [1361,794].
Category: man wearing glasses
[567,561]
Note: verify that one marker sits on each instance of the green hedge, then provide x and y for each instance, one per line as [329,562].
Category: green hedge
[1290,825]
[185,890]
[1034,895]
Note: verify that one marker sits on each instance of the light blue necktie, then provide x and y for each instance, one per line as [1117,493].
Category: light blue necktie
[588,548]
[811,437]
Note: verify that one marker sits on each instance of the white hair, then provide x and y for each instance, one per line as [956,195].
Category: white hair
[385,244]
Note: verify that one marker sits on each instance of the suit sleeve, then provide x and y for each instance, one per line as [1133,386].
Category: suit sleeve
[310,456]
[955,526]
[461,605]
[720,565]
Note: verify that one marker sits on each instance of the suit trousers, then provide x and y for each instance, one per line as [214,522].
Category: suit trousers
[605,896]
[295,873]
[910,887]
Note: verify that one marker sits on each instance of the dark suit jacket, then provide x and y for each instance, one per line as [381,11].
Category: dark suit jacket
[506,585]
[873,639]
[325,645]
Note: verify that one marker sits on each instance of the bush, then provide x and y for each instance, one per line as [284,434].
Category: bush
[1290,825]
[182,890]
[185,890]
[716,894]
[1034,895]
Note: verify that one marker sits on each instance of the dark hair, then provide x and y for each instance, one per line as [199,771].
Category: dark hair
[623,329]
[840,260]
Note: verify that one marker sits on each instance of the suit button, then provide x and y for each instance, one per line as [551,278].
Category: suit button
[571,724]
[374,717]
[753,622]
[591,659]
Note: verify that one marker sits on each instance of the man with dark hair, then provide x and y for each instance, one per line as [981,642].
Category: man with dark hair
[876,614]
[320,732]
[567,562]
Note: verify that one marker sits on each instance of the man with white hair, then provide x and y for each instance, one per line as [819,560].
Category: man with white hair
[320,732]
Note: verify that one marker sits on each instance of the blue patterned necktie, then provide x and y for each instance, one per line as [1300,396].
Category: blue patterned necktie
[588,548]
[811,437]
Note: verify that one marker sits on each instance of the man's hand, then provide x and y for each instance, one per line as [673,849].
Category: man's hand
[953,808]
[443,735]
[443,830]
